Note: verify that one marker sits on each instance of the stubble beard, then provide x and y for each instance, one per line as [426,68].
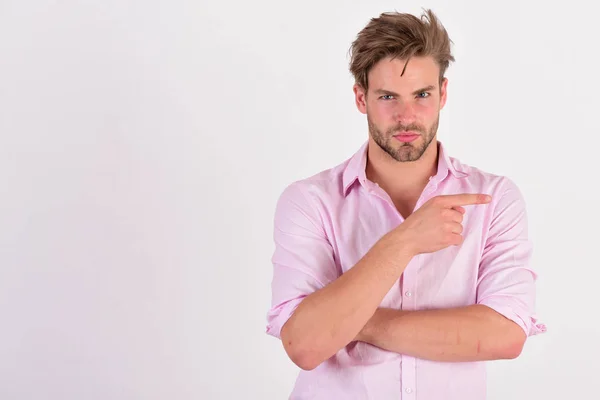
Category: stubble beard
[406,152]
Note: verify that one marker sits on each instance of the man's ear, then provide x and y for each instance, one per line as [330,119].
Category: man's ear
[360,98]
[443,92]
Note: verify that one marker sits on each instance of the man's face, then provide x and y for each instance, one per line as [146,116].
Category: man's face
[403,111]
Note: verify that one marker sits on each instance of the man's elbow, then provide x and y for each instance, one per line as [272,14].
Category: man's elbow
[301,354]
[304,360]
[513,345]
[303,357]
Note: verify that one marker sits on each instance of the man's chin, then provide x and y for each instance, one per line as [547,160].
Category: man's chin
[407,152]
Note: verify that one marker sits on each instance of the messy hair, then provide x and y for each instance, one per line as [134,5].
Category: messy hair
[401,36]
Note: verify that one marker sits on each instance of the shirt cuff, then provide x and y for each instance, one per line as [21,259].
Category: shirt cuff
[279,315]
[529,323]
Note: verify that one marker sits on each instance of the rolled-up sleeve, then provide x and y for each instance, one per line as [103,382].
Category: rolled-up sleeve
[303,258]
[506,281]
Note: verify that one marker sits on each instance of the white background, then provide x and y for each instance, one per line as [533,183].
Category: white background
[143,145]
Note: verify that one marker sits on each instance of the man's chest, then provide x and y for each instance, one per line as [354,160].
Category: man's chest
[446,278]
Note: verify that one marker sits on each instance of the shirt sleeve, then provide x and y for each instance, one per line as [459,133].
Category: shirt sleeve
[303,259]
[506,281]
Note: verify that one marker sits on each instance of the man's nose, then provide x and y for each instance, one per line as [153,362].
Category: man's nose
[404,113]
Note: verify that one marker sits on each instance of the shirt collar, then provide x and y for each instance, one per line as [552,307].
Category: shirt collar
[356,167]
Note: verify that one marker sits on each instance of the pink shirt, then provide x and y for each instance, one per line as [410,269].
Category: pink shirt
[324,224]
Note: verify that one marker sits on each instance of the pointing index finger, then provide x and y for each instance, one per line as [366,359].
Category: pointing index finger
[465,199]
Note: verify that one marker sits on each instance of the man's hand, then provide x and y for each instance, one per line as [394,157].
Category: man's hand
[331,317]
[437,224]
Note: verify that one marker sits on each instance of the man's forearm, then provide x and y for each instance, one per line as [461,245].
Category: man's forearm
[471,333]
[330,318]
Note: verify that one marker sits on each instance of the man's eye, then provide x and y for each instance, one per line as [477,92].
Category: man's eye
[423,95]
[387,97]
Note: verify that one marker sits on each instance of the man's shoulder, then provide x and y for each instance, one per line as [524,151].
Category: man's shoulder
[484,180]
[309,198]
[326,183]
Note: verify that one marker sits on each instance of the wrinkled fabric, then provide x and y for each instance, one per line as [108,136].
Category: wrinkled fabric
[324,224]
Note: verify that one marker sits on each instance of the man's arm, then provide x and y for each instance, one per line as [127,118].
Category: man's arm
[329,319]
[317,311]
[471,333]
[320,319]
[494,328]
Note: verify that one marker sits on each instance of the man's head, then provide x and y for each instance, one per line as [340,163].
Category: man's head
[398,62]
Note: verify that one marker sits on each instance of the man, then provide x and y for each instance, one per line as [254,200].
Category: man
[399,272]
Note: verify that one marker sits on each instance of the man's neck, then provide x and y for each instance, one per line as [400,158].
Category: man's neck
[398,178]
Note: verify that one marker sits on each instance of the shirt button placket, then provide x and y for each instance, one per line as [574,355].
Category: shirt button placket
[409,304]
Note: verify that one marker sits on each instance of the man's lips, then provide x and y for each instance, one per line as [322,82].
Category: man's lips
[407,136]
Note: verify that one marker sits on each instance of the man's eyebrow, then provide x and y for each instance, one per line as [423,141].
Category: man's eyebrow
[425,89]
[386,92]
[390,93]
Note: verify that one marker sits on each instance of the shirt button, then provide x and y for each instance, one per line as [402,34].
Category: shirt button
[408,294]
[408,390]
